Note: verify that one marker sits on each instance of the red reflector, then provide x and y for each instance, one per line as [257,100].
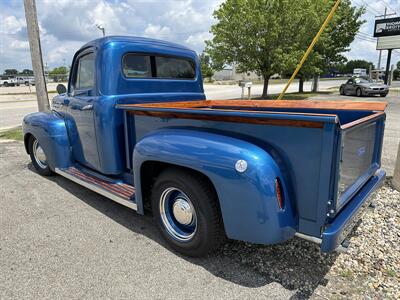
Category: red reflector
[279,194]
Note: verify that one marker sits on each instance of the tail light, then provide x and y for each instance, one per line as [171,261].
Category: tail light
[279,193]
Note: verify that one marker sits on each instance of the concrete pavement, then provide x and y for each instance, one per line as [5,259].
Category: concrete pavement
[59,240]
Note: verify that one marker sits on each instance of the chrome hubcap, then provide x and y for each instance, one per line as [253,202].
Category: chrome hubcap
[182,211]
[39,155]
[178,214]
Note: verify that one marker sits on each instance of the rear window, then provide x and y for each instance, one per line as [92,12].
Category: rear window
[137,66]
[151,66]
[171,67]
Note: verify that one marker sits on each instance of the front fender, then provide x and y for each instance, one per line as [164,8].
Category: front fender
[248,201]
[50,131]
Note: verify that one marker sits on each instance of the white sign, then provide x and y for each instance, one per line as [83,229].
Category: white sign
[388,42]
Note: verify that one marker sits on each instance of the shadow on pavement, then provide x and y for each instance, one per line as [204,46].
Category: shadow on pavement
[297,264]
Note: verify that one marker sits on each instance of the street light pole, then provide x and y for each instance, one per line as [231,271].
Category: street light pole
[36,54]
[101,27]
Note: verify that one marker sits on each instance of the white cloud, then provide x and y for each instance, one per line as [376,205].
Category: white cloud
[158,31]
[11,25]
[197,40]
[19,45]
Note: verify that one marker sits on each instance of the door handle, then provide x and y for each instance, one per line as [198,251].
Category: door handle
[88,107]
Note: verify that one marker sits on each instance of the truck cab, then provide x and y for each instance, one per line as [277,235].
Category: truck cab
[133,125]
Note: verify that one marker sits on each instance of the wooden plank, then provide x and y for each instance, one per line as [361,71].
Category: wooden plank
[313,104]
[362,120]
[310,104]
[234,119]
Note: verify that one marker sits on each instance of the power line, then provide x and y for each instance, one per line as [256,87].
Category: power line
[367,5]
[387,5]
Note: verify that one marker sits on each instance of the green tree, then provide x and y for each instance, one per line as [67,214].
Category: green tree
[334,41]
[26,72]
[207,69]
[396,73]
[10,72]
[357,64]
[59,74]
[253,34]
[270,36]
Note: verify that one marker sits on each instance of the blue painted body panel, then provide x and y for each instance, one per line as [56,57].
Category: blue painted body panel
[341,226]
[50,131]
[247,200]
[111,142]
[96,136]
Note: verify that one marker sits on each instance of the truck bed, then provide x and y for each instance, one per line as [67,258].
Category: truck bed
[328,150]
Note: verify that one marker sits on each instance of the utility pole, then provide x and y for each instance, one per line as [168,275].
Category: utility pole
[36,54]
[380,51]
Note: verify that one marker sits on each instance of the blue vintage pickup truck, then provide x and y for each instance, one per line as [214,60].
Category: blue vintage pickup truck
[133,125]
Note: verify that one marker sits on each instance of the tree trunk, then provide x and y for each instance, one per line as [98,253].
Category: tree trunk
[301,85]
[265,89]
[315,84]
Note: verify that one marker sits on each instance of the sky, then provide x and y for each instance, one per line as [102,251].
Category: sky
[65,25]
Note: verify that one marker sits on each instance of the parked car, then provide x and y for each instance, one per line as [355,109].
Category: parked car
[25,80]
[7,81]
[133,125]
[363,87]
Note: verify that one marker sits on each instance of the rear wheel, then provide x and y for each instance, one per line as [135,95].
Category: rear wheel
[341,90]
[6,84]
[38,157]
[359,92]
[185,208]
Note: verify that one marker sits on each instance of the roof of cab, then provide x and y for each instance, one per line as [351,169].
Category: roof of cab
[133,39]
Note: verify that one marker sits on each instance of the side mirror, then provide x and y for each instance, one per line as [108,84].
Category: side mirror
[61,89]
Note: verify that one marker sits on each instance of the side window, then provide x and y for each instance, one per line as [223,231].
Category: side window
[137,66]
[171,67]
[84,79]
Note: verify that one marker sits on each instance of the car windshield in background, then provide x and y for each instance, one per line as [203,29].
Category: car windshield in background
[364,80]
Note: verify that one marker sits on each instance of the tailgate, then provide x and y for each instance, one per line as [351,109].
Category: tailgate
[361,147]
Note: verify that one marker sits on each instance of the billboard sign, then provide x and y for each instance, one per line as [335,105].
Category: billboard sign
[387,27]
[388,42]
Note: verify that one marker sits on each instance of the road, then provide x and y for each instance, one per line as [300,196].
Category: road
[13,107]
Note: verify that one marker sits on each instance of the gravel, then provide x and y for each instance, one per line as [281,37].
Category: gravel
[370,269]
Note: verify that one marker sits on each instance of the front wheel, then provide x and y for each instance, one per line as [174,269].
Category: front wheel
[383,95]
[341,91]
[359,92]
[185,208]
[38,157]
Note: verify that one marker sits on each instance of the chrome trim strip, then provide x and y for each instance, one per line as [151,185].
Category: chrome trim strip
[309,238]
[97,189]
[340,248]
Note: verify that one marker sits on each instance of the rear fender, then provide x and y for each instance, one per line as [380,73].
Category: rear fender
[248,203]
[50,131]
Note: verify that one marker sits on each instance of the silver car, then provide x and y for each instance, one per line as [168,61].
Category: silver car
[363,87]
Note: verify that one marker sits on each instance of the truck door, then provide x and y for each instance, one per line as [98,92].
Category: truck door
[79,110]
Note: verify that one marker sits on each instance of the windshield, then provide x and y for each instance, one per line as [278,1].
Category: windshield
[364,80]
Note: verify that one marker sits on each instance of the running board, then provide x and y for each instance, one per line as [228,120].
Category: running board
[119,192]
